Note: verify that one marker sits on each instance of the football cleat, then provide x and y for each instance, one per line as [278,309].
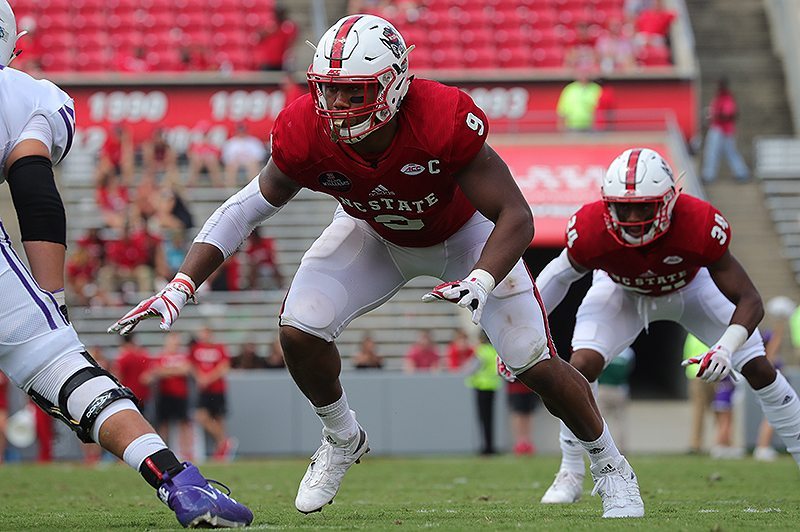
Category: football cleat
[617,486]
[566,488]
[326,470]
[198,504]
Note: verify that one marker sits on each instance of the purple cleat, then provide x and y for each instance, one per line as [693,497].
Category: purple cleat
[197,504]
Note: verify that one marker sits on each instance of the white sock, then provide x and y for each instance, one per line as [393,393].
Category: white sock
[338,419]
[142,447]
[603,448]
[571,451]
[782,409]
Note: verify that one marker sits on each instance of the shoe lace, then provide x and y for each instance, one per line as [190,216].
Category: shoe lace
[614,489]
[567,477]
[220,484]
[324,460]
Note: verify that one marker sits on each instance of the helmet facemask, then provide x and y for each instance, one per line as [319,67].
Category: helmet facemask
[653,218]
[368,108]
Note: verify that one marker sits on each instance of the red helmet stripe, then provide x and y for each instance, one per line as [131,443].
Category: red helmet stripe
[630,173]
[339,40]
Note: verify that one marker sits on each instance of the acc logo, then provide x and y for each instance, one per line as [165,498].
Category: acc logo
[412,169]
[672,259]
[335,181]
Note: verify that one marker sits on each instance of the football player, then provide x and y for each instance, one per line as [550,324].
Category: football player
[39,349]
[658,254]
[420,193]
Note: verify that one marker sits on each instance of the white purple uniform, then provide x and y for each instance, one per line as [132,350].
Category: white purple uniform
[32,330]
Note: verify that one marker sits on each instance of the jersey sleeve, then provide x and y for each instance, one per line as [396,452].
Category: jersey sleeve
[578,238]
[470,128]
[288,138]
[717,235]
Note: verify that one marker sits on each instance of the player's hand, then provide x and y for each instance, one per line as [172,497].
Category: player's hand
[469,293]
[715,365]
[166,305]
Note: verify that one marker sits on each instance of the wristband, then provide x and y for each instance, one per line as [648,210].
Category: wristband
[483,277]
[734,337]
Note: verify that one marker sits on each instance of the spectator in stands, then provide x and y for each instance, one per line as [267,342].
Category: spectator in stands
[701,394]
[615,48]
[263,270]
[194,58]
[133,259]
[133,62]
[211,363]
[227,277]
[291,89]
[159,159]
[423,355]
[145,196]
[242,151]
[204,156]
[112,198]
[522,403]
[604,113]
[31,60]
[171,212]
[131,367]
[577,103]
[459,350]
[723,418]
[274,358]
[613,394]
[248,358]
[170,371]
[81,272]
[367,356]
[721,136]
[175,248]
[117,152]
[653,25]
[276,41]
[483,378]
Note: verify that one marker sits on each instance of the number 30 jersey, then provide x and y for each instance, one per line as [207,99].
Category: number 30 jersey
[23,97]
[698,235]
[410,195]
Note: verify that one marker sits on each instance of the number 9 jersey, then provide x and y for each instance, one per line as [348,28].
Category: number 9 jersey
[409,195]
[23,97]
[698,236]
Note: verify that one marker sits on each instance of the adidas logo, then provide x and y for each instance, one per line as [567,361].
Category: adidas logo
[381,190]
[330,440]
[596,450]
[607,469]
[786,399]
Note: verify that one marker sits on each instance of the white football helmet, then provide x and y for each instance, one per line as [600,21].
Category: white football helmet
[641,177]
[8,34]
[361,51]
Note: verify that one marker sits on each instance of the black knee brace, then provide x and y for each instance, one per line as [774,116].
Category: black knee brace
[83,428]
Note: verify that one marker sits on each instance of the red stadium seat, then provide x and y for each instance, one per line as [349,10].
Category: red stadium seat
[549,57]
[57,40]
[480,58]
[91,61]
[514,56]
[58,61]
[447,58]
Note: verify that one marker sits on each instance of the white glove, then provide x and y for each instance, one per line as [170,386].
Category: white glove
[166,304]
[715,365]
[469,293]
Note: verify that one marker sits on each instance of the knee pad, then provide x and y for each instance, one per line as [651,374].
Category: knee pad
[316,306]
[82,397]
[520,348]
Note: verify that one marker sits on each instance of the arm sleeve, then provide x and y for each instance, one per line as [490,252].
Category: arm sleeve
[235,219]
[555,279]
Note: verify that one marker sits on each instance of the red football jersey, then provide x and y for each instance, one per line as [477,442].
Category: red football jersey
[410,195]
[698,236]
[206,358]
[130,366]
[175,385]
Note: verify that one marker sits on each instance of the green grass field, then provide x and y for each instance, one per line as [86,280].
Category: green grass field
[680,493]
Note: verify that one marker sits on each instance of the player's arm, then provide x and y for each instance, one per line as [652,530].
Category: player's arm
[40,211]
[490,187]
[220,237]
[487,182]
[556,278]
[733,281]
